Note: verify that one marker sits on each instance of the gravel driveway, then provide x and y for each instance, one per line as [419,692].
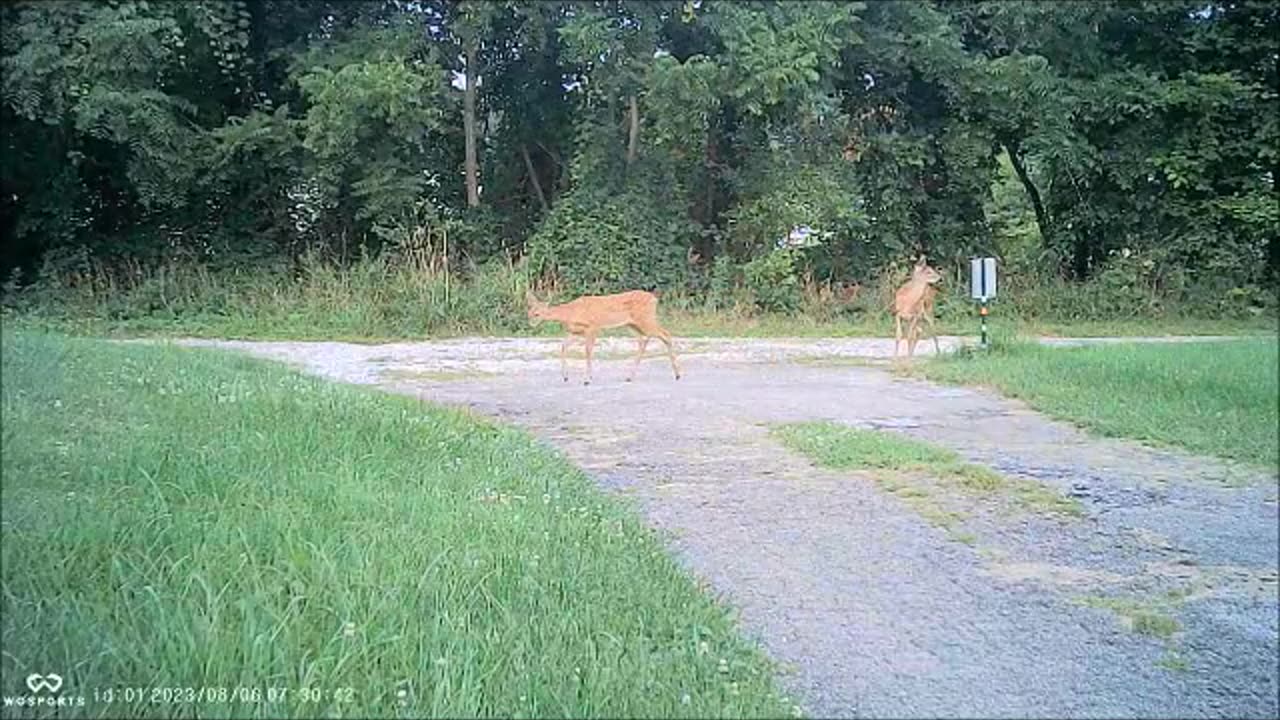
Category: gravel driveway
[1161,601]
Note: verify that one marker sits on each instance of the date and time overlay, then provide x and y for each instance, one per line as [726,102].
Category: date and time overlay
[49,690]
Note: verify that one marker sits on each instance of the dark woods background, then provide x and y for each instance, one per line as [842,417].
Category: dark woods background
[1127,147]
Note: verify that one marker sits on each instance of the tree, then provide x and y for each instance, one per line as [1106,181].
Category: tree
[617,141]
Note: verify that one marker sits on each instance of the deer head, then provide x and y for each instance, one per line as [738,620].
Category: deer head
[536,308]
[923,273]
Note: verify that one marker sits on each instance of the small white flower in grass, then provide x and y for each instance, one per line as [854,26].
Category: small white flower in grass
[704,648]
[441,662]
[724,666]
[685,699]
[349,629]
[546,499]
[57,403]
[796,711]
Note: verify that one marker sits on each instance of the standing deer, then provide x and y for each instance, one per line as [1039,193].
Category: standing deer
[586,316]
[913,302]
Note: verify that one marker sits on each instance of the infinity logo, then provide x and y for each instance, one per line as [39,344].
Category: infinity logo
[51,682]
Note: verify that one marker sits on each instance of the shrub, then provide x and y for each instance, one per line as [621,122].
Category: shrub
[772,280]
[595,243]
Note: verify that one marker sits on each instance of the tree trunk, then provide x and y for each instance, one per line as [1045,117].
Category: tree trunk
[1042,218]
[469,129]
[633,136]
[562,173]
[533,178]
[711,162]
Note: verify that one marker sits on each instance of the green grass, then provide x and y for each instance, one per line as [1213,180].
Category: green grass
[845,448]
[1216,398]
[1142,617]
[1173,661]
[184,518]
[1137,327]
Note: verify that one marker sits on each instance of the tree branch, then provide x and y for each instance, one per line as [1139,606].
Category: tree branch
[1042,217]
[533,177]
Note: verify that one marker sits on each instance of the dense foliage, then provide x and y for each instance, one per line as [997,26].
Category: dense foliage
[665,144]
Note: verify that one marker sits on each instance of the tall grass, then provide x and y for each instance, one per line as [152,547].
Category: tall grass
[373,298]
[187,519]
[391,297]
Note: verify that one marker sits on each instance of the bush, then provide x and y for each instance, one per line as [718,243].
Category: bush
[593,243]
[772,280]
[723,284]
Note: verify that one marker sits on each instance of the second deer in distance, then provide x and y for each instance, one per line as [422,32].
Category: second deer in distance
[914,302]
[586,316]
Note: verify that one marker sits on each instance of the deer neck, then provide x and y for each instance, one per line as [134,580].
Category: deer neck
[916,290]
[558,313]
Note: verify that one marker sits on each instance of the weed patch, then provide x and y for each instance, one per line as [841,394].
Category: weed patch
[900,458]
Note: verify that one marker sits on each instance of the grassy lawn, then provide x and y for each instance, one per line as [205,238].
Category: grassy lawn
[1138,327]
[175,518]
[1211,398]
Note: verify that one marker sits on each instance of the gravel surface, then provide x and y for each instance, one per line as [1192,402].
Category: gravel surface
[874,610]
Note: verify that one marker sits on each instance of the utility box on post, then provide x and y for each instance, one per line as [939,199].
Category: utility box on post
[982,280]
[982,287]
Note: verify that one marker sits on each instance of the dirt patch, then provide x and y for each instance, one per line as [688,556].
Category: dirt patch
[880,611]
[399,374]
[1049,574]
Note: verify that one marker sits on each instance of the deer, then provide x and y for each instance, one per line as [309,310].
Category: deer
[913,302]
[586,316]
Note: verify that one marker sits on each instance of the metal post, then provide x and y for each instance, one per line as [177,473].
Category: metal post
[983,313]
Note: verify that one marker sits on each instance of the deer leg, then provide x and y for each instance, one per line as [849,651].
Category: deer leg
[933,333]
[590,340]
[913,331]
[644,341]
[897,335]
[665,337]
[564,367]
